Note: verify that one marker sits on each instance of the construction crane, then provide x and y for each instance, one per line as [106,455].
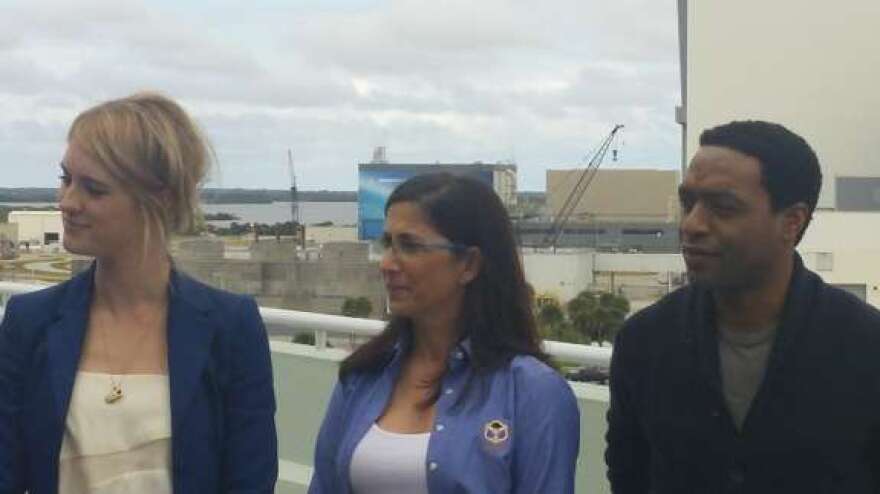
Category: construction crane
[299,233]
[584,178]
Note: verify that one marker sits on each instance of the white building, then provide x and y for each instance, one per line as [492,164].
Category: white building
[38,228]
[843,248]
[561,274]
[811,66]
[641,278]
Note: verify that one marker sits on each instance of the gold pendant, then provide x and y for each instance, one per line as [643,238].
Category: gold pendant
[114,395]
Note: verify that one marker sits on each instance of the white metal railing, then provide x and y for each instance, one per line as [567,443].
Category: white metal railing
[8,289]
[325,324]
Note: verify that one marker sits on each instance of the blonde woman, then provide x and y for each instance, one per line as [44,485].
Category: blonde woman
[132,377]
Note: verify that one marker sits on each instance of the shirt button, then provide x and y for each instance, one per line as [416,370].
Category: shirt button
[448,391]
[440,427]
[459,355]
[432,466]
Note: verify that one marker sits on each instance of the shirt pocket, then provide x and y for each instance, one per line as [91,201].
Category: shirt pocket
[486,455]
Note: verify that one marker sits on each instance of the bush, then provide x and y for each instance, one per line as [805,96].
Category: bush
[304,338]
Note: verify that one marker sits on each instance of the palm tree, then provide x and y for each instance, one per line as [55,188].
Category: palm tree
[357,307]
[597,315]
[550,316]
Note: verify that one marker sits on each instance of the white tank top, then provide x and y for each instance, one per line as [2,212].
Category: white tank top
[122,447]
[390,463]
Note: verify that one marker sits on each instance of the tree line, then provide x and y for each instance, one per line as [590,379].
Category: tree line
[590,317]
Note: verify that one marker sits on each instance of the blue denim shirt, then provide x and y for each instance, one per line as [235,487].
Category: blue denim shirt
[516,432]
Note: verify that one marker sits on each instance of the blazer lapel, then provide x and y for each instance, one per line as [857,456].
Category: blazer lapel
[190,338]
[64,339]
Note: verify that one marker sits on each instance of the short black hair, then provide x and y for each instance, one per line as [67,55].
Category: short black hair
[789,167]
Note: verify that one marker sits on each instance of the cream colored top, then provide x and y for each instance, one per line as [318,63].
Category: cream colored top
[122,447]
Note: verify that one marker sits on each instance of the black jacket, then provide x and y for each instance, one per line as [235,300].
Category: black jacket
[814,426]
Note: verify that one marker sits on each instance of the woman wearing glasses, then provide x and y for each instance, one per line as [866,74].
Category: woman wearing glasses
[132,377]
[455,395]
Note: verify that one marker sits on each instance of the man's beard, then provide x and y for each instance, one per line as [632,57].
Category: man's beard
[729,277]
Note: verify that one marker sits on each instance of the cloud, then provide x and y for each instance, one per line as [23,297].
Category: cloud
[434,81]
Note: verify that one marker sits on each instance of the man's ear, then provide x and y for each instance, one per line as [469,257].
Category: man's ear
[794,221]
[473,262]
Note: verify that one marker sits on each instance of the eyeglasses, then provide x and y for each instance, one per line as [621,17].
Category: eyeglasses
[406,247]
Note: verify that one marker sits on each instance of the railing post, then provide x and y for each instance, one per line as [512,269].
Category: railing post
[321,340]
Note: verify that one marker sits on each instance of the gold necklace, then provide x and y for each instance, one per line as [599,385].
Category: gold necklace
[116,393]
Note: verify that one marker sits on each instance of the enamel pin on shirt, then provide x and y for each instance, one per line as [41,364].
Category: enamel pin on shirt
[496,432]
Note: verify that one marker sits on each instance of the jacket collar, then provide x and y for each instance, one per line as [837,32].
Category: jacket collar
[702,325]
[190,332]
[78,294]
[65,336]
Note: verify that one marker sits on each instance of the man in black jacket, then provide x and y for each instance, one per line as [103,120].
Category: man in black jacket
[757,377]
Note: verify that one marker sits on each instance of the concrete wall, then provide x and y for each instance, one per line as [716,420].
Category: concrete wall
[204,247]
[641,278]
[9,231]
[812,66]
[843,248]
[33,225]
[562,275]
[323,234]
[8,240]
[278,278]
[628,195]
[273,250]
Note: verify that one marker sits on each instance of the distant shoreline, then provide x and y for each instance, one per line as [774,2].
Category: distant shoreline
[223,196]
[208,196]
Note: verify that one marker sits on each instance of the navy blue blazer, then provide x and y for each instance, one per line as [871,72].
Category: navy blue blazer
[219,370]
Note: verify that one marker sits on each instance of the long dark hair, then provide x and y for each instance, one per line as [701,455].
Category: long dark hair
[497,307]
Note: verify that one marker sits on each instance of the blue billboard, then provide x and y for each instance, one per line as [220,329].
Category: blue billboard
[377,181]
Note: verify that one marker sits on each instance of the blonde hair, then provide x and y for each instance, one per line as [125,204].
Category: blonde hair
[150,146]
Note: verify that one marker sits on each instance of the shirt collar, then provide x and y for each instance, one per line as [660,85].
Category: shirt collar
[461,352]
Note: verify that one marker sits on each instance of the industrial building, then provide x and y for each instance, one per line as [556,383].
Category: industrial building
[38,228]
[377,179]
[660,237]
[621,210]
[617,195]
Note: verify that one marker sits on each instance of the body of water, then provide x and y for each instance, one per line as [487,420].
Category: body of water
[340,213]
[28,204]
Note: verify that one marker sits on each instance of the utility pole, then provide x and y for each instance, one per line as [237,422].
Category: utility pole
[299,231]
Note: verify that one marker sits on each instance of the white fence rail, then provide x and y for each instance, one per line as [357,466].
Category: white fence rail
[324,324]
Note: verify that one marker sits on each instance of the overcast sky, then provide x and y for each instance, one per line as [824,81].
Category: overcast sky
[537,83]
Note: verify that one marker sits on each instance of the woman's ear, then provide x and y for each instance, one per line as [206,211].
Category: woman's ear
[473,262]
